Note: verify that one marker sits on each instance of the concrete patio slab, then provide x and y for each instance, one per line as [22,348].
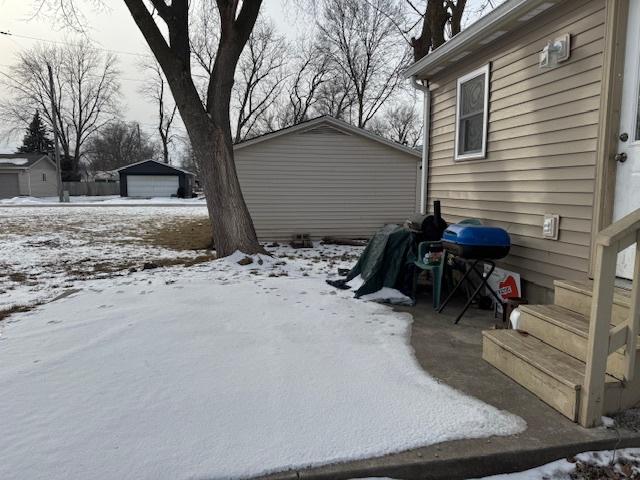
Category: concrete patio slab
[453,354]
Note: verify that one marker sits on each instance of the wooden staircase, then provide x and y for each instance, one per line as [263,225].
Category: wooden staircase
[549,352]
[580,355]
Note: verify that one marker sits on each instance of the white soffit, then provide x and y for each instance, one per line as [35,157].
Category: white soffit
[536,11]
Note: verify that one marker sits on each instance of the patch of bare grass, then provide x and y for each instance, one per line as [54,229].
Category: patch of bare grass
[184,234]
[18,277]
[6,312]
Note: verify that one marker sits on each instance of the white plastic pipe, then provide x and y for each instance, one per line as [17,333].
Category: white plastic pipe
[426,122]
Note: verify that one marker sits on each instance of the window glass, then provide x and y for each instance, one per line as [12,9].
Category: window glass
[44,177]
[472,131]
[471,127]
[472,96]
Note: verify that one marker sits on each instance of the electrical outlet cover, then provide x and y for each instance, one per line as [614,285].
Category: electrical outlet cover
[551,226]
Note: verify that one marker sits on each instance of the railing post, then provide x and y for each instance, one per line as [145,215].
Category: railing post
[634,317]
[592,394]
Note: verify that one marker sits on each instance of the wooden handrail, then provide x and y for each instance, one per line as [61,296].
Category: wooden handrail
[604,340]
[618,230]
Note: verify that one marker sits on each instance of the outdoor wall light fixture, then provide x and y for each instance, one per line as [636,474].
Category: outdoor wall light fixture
[556,51]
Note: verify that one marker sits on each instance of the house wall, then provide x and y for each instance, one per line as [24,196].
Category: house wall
[40,187]
[23,182]
[542,142]
[326,182]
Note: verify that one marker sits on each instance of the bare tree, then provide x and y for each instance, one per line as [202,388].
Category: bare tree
[165,27]
[86,92]
[436,21]
[119,144]
[336,96]
[436,16]
[187,159]
[204,36]
[260,78]
[158,92]
[260,74]
[310,73]
[400,123]
[363,42]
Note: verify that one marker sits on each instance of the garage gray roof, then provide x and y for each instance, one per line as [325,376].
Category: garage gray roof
[12,161]
[154,163]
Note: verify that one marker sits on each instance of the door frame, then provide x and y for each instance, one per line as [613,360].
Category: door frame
[615,37]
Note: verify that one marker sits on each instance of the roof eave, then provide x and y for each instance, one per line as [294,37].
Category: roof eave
[470,37]
[118,170]
[333,122]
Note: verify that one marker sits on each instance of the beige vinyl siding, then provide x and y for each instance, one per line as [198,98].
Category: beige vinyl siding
[23,182]
[41,188]
[541,148]
[326,182]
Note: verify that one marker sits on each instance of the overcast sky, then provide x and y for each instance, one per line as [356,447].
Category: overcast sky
[113,29]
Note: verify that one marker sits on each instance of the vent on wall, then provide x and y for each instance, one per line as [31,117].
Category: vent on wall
[323,130]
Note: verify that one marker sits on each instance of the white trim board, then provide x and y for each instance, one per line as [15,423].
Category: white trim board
[484,70]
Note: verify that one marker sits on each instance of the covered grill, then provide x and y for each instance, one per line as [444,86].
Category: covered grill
[476,241]
[475,244]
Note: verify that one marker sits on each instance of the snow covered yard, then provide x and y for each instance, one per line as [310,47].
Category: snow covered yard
[103,200]
[219,371]
[47,250]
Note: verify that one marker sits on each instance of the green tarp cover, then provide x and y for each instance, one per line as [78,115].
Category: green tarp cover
[383,262]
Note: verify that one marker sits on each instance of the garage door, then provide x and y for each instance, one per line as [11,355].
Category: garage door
[9,185]
[152,185]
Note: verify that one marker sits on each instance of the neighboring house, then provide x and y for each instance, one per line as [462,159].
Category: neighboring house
[518,129]
[325,177]
[30,174]
[108,176]
[151,178]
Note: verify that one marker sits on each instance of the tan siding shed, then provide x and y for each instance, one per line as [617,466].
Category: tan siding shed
[326,181]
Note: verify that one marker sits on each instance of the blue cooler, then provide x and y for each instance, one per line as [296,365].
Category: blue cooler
[476,241]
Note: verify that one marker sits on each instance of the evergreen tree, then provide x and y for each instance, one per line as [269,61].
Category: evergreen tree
[37,138]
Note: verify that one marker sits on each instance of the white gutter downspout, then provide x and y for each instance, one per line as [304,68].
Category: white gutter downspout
[426,122]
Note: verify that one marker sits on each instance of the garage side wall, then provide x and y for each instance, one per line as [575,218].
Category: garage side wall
[42,179]
[326,182]
[541,147]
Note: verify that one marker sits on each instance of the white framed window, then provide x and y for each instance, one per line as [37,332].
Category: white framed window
[472,113]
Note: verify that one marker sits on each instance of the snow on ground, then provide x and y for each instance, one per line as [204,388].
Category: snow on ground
[102,200]
[219,371]
[46,250]
[624,462]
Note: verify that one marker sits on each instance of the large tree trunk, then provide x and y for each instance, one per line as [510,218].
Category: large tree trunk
[209,126]
[230,219]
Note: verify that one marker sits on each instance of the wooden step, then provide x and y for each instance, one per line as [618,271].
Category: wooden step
[555,377]
[565,330]
[576,296]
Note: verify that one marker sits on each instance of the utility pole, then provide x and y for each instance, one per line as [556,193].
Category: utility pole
[54,116]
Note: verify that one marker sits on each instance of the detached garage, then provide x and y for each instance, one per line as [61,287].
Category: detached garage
[29,174]
[326,177]
[151,178]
